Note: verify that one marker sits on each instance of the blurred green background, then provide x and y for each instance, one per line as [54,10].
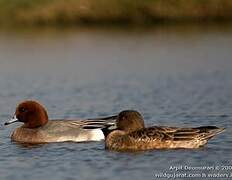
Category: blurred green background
[72,12]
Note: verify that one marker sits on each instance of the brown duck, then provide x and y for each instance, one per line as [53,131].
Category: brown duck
[131,135]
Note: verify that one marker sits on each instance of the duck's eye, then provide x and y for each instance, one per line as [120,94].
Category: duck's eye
[22,110]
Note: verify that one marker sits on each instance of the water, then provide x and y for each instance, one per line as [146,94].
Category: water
[176,76]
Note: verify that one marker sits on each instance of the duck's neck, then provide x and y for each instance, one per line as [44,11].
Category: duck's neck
[33,125]
[37,120]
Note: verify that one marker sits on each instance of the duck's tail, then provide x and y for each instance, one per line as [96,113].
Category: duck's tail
[207,132]
[106,124]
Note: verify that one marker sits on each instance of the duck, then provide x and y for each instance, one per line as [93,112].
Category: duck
[130,134]
[37,128]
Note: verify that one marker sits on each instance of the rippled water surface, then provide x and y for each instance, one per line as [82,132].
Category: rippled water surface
[174,76]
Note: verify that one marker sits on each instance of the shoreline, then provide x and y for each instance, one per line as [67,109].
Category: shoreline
[113,12]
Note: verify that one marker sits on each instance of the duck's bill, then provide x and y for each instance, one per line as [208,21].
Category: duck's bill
[13,120]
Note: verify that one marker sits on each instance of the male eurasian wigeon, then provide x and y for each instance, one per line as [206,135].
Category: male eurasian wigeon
[131,135]
[38,129]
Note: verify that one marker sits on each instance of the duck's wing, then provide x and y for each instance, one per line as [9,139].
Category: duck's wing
[175,134]
[94,123]
[108,122]
[114,117]
[149,134]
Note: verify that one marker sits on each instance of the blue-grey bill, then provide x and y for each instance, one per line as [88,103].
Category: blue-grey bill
[13,120]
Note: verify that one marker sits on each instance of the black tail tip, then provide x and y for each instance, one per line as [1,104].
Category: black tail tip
[208,132]
[210,128]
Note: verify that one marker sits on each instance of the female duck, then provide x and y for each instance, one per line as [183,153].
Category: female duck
[38,129]
[132,135]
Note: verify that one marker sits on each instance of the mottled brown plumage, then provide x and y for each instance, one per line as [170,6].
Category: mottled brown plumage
[156,137]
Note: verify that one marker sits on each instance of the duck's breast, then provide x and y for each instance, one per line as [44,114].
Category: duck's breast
[26,135]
